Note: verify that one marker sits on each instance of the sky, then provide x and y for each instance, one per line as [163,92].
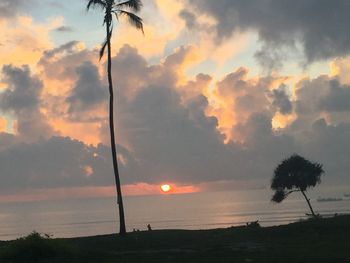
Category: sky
[212,97]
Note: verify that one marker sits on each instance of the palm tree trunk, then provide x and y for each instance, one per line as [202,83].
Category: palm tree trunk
[122,230]
[308,202]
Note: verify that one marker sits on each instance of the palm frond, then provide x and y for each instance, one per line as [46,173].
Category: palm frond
[134,20]
[103,47]
[133,5]
[94,3]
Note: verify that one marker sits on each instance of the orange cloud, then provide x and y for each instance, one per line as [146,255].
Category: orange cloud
[340,67]
[151,44]
[88,171]
[58,71]
[281,121]
[3,125]
[89,133]
[159,30]
[189,56]
[169,8]
[237,96]
[23,41]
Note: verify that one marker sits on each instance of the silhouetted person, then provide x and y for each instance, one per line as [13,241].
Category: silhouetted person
[149,227]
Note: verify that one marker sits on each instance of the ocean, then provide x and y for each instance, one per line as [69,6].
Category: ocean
[98,216]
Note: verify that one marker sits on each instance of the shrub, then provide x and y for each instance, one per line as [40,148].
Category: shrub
[34,247]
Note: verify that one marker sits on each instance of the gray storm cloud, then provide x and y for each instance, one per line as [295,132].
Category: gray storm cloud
[22,99]
[320,27]
[337,99]
[282,100]
[88,91]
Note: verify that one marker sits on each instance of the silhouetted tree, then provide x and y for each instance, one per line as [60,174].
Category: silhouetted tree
[295,174]
[118,9]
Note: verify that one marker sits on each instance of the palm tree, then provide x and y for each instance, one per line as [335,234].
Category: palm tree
[295,174]
[118,9]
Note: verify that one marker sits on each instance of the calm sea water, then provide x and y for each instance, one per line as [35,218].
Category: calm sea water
[85,217]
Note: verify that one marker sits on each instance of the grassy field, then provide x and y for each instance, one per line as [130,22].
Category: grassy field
[318,240]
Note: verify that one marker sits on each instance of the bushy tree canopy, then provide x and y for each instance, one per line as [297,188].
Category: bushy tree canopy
[295,174]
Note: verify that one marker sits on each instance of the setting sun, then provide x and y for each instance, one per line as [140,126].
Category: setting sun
[165,188]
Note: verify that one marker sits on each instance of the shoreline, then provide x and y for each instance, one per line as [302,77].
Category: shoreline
[264,223]
[313,240]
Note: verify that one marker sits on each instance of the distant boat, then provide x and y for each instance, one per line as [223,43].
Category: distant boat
[330,199]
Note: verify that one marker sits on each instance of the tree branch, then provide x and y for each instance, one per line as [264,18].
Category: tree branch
[293,191]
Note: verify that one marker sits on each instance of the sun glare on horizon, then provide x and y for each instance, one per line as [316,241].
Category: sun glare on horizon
[165,188]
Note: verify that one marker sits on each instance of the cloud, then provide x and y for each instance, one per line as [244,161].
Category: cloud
[270,58]
[74,91]
[172,135]
[56,162]
[263,147]
[64,29]
[281,100]
[3,124]
[22,99]
[67,48]
[285,24]
[23,40]
[340,67]
[169,72]
[239,96]
[60,63]
[88,91]
[165,133]
[190,18]
[329,145]
[131,71]
[7,140]
[171,140]
[169,131]
[10,8]
[322,97]
[337,99]
[193,88]
[161,26]
[23,91]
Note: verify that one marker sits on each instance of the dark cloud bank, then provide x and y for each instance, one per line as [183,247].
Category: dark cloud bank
[168,138]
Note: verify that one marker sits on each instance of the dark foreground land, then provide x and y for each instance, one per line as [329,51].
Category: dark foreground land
[317,240]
